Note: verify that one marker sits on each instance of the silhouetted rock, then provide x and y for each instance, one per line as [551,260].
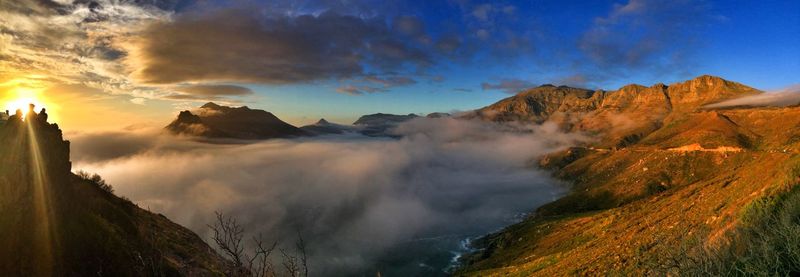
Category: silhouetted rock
[323,127]
[56,223]
[437,115]
[379,124]
[215,121]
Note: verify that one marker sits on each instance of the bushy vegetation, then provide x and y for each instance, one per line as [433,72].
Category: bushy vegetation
[96,180]
[766,242]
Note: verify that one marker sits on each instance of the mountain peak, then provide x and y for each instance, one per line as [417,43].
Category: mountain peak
[632,87]
[707,89]
[322,121]
[211,105]
[709,78]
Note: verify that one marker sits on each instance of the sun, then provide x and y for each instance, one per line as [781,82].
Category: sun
[19,99]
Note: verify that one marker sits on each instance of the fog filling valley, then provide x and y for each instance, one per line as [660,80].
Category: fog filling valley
[362,204]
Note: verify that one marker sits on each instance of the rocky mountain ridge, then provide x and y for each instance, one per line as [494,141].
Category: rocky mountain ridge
[621,116]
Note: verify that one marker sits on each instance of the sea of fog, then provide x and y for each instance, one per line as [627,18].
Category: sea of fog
[401,207]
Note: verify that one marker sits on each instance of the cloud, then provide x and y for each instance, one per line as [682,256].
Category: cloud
[145,48]
[268,50]
[71,43]
[482,11]
[409,25]
[215,90]
[645,34]
[103,146]
[511,86]
[780,98]
[358,90]
[366,84]
[361,203]
[579,80]
[138,101]
[391,81]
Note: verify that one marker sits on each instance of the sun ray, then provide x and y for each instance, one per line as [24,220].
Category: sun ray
[45,242]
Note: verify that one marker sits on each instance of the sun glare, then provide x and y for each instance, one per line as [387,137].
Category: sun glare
[19,99]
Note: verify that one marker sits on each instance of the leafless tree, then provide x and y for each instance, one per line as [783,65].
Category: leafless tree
[228,236]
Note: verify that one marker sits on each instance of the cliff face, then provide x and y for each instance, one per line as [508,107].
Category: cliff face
[619,117]
[215,121]
[53,222]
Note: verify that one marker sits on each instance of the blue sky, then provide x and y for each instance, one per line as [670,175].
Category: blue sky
[753,42]
[304,60]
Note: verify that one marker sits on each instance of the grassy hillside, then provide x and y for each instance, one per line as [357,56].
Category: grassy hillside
[727,205]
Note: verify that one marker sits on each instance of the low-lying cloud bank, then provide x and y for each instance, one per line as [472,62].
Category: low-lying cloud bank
[354,199]
[780,98]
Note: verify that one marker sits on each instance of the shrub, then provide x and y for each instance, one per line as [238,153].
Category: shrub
[767,242]
[96,180]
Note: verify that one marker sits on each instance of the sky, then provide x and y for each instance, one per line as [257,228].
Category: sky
[112,64]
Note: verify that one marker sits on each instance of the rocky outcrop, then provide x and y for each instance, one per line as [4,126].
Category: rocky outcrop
[705,90]
[56,223]
[619,117]
[541,103]
[215,121]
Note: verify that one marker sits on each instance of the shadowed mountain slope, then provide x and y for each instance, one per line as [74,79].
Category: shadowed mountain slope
[56,223]
[215,121]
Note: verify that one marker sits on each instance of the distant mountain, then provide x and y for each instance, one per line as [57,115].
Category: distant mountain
[437,115]
[215,121]
[666,186]
[323,127]
[56,223]
[380,123]
[383,119]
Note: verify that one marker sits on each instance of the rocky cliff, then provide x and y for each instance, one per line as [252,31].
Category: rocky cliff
[215,121]
[619,117]
[56,223]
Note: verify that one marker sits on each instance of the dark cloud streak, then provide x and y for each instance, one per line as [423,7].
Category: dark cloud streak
[240,45]
[510,86]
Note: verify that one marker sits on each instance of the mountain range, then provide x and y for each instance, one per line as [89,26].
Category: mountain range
[667,186]
[664,186]
[215,121]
